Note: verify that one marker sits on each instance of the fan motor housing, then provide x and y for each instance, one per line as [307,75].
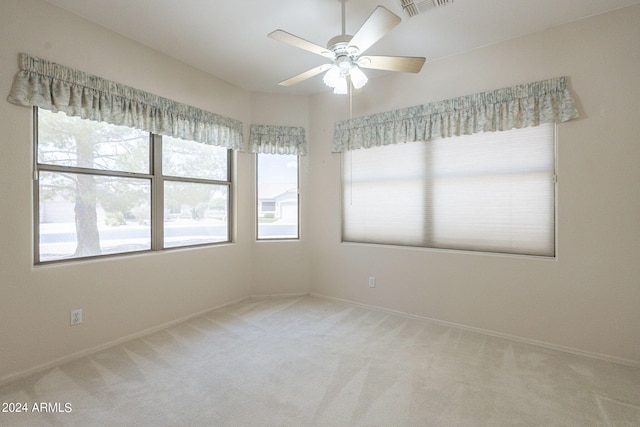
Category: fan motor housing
[342,39]
[339,45]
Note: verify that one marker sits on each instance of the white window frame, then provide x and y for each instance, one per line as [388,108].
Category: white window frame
[157,180]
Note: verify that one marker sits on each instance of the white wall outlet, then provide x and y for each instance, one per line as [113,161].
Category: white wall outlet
[76,316]
[372,282]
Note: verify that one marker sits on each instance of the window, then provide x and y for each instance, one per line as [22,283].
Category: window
[104,189]
[491,192]
[196,193]
[277,196]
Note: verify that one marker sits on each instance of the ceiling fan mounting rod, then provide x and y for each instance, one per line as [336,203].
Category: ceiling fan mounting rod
[338,44]
[344,20]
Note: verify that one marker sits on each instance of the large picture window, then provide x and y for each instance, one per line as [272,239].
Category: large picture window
[104,189]
[492,191]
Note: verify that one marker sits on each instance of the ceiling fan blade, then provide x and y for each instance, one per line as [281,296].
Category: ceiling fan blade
[409,64]
[379,23]
[300,43]
[306,75]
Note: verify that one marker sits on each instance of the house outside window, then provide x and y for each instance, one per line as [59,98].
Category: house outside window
[277,196]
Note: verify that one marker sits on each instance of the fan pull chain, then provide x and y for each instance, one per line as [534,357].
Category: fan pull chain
[350,87]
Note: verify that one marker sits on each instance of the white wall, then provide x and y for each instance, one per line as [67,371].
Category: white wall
[588,298]
[130,294]
[282,267]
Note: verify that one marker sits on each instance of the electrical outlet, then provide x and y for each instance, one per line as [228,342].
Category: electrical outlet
[372,282]
[76,316]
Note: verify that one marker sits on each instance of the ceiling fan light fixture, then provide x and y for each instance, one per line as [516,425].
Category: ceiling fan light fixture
[343,68]
[336,78]
[341,87]
[332,76]
[358,78]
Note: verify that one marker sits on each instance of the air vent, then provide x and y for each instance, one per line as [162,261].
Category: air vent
[415,7]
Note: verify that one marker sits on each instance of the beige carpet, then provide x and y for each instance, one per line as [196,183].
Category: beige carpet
[307,361]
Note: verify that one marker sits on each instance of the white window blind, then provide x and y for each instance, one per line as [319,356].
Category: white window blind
[491,192]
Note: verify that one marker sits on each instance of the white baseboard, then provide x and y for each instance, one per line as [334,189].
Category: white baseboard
[543,344]
[275,296]
[88,352]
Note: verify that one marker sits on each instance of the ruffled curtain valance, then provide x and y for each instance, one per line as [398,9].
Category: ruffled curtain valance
[55,87]
[277,140]
[547,101]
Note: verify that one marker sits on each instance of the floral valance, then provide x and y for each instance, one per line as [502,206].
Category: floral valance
[58,88]
[277,140]
[531,104]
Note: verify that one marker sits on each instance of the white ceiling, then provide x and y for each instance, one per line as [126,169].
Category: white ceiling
[229,38]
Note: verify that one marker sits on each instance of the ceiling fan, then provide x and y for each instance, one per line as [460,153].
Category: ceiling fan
[346,53]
